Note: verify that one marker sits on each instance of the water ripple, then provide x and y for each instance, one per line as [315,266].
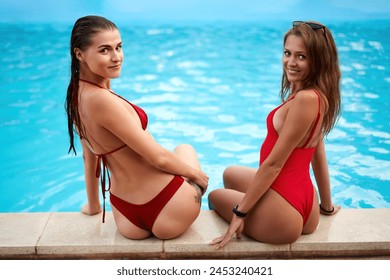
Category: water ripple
[209,85]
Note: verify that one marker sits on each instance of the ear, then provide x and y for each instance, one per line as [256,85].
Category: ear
[79,54]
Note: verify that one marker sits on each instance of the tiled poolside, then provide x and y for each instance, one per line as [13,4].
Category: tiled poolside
[352,233]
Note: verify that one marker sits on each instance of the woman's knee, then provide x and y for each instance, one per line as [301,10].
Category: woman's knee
[213,195]
[211,200]
[185,147]
[228,176]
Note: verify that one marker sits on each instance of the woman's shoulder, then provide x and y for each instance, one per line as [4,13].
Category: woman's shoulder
[99,99]
[307,97]
[310,98]
[315,95]
[308,94]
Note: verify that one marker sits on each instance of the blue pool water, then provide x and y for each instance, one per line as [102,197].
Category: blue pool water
[210,85]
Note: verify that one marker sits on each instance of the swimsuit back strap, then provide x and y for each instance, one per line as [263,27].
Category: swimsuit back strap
[315,123]
[103,173]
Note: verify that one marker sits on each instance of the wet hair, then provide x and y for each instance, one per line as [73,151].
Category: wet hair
[83,31]
[324,74]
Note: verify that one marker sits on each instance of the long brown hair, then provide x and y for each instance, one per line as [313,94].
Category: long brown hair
[324,74]
[82,32]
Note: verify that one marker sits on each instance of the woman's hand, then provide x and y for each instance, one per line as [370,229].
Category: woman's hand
[89,210]
[202,180]
[236,227]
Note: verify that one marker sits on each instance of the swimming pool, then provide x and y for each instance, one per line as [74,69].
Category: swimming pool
[210,85]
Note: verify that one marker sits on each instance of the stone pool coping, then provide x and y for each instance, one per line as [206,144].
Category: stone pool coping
[352,233]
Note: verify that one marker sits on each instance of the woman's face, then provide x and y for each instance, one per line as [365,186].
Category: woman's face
[295,60]
[104,56]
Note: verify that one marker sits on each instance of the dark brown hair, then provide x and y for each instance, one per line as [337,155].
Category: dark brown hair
[324,74]
[82,32]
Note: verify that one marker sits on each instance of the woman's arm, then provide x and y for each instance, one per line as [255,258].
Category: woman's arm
[91,182]
[113,115]
[321,174]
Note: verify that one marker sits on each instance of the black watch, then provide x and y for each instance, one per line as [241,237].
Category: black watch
[239,213]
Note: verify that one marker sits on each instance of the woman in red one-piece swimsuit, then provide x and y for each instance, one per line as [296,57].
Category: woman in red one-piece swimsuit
[277,202]
[152,190]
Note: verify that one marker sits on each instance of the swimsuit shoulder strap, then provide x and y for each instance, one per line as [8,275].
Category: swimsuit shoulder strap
[316,122]
[140,112]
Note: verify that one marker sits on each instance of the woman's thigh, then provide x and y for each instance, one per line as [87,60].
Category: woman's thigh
[236,180]
[272,219]
[223,200]
[188,154]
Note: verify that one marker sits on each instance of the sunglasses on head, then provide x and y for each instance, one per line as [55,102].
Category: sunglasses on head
[313,25]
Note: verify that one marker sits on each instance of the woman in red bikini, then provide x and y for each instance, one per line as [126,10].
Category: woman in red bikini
[152,191]
[277,202]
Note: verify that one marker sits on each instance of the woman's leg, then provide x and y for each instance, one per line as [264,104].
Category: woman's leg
[238,177]
[236,180]
[188,154]
[271,220]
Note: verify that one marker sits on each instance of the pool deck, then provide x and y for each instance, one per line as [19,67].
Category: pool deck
[351,234]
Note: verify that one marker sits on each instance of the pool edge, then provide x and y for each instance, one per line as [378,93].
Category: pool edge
[352,233]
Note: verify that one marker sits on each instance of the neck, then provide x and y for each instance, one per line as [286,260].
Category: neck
[96,80]
[96,84]
[297,87]
[294,88]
